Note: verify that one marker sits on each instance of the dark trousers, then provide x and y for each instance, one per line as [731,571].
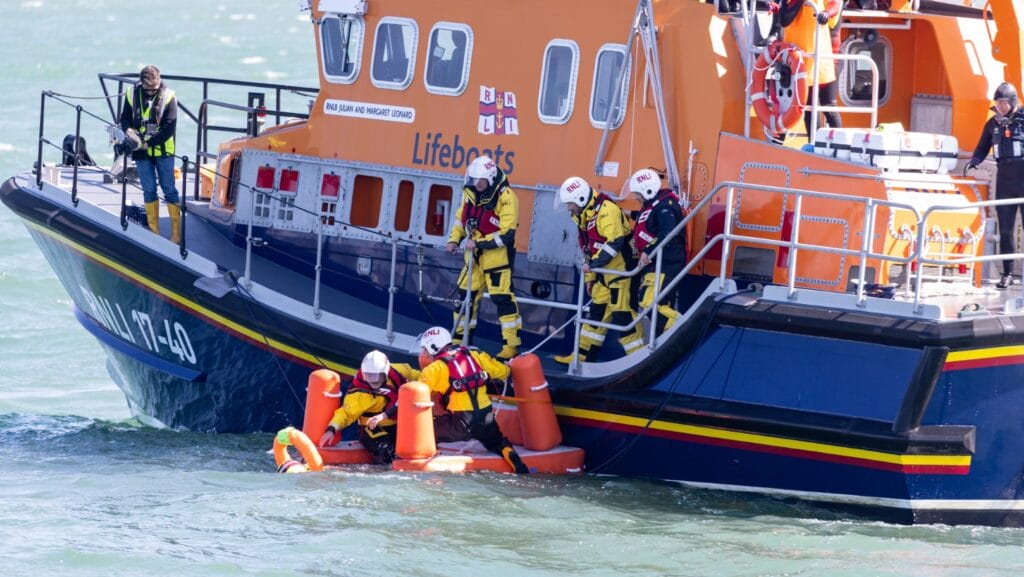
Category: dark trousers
[380,442]
[465,425]
[1008,185]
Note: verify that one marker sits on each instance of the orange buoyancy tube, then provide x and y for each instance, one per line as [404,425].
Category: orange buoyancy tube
[285,463]
[414,438]
[323,397]
[780,102]
[536,413]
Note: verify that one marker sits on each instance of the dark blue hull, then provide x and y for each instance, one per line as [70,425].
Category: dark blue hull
[770,401]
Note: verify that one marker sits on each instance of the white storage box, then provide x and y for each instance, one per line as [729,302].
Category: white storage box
[835,142]
[905,151]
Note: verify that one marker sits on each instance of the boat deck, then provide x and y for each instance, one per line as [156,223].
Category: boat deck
[948,301]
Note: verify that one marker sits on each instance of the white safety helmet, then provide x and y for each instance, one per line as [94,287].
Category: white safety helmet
[375,363]
[576,191]
[435,340]
[481,167]
[645,182]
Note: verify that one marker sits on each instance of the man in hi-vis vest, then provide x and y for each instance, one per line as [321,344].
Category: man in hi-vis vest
[151,110]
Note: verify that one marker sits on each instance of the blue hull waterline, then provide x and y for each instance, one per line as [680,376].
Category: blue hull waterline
[786,407]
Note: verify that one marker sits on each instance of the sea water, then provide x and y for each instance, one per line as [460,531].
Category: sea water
[86,491]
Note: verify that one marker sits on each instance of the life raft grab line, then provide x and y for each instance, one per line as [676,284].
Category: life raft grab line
[290,436]
[767,104]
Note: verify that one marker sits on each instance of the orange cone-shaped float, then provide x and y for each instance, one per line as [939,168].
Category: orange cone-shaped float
[415,436]
[322,399]
[536,413]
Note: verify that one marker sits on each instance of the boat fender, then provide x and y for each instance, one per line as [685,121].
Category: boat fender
[291,436]
[780,102]
[323,397]
[536,413]
[415,436]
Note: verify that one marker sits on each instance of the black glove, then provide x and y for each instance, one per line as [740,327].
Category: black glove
[823,17]
[973,164]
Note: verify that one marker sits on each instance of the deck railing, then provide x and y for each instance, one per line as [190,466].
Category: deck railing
[254,114]
[917,255]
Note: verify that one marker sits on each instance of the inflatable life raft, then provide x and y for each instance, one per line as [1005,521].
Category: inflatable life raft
[527,420]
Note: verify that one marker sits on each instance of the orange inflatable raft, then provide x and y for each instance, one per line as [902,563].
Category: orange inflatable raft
[529,416]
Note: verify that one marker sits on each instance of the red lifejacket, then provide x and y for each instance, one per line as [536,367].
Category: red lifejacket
[464,374]
[388,390]
[642,236]
[590,239]
[479,218]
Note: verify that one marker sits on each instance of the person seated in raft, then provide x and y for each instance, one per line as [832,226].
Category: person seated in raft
[372,399]
[460,376]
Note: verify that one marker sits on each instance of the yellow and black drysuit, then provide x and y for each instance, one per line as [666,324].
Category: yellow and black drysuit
[362,401]
[604,235]
[154,118]
[460,376]
[490,219]
[658,217]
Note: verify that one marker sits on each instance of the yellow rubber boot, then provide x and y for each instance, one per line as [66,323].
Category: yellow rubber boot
[510,334]
[153,216]
[567,359]
[515,461]
[175,213]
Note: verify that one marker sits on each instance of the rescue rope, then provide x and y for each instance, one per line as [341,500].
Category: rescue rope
[242,290]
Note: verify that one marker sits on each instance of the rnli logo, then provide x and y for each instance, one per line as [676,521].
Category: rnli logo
[574,186]
[498,113]
[432,332]
[642,178]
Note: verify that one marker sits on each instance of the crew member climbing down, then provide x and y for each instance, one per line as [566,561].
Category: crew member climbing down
[460,376]
[659,216]
[604,235]
[372,399]
[487,220]
[151,110]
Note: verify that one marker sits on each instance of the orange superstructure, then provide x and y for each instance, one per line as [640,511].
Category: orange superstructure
[425,94]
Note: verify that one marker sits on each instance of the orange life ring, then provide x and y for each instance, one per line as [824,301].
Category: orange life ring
[285,464]
[779,107]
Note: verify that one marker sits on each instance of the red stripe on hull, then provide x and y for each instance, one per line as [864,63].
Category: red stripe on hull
[982,363]
[783,451]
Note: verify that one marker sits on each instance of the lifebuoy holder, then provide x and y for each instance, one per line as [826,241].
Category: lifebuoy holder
[781,80]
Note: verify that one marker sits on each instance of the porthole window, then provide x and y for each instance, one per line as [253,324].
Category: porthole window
[855,77]
[558,81]
[448,58]
[610,60]
[394,53]
[341,46]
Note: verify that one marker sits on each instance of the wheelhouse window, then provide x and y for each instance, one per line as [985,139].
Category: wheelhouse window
[439,210]
[558,81]
[855,76]
[404,206]
[289,189]
[394,53]
[265,176]
[330,187]
[610,61]
[341,46]
[367,192]
[448,58]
